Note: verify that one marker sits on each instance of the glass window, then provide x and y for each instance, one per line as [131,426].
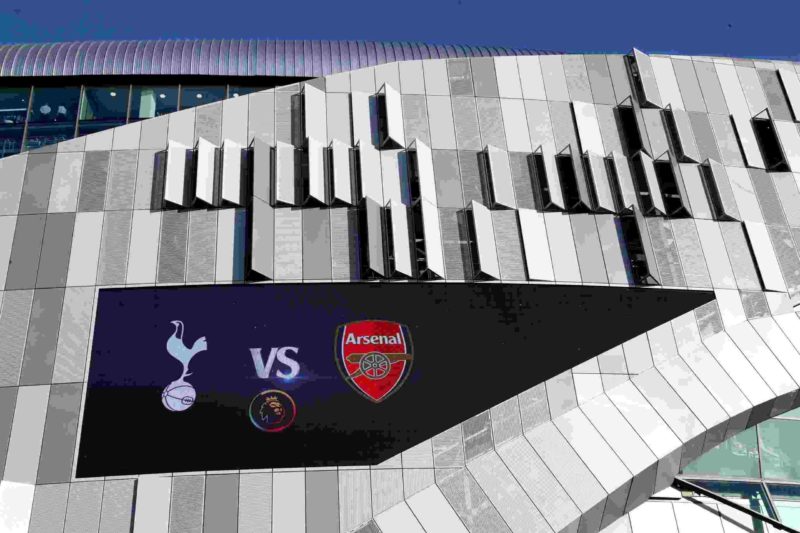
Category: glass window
[750,495]
[55,104]
[14,105]
[795,414]
[43,134]
[102,108]
[10,139]
[780,449]
[238,90]
[787,503]
[736,457]
[194,96]
[149,102]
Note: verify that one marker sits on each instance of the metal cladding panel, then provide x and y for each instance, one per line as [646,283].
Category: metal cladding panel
[588,127]
[262,169]
[790,142]
[285,188]
[500,178]
[394,115]
[376,251]
[647,245]
[695,191]
[232,172]
[602,187]
[648,78]
[206,171]
[315,114]
[766,260]
[175,184]
[723,185]
[401,239]
[683,130]
[262,253]
[317,185]
[484,240]
[626,187]
[432,233]
[342,184]
[427,183]
[652,181]
[791,85]
[747,139]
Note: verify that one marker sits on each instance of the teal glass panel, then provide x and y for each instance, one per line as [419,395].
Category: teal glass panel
[794,413]
[780,449]
[787,502]
[736,457]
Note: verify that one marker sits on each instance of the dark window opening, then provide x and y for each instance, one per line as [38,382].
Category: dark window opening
[712,193]
[569,184]
[418,235]
[190,177]
[541,190]
[298,124]
[486,178]
[634,248]
[753,256]
[670,192]
[159,180]
[355,171]
[636,78]
[590,182]
[642,189]
[413,176]
[672,131]
[630,129]
[327,167]
[473,247]
[613,182]
[770,145]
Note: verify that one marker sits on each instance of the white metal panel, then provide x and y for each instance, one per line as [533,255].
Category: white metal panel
[175,181]
[432,233]
[289,502]
[626,187]
[394,115]
[434,512]
[683,128]
[654,517]
[375,238]
[362,131]
[716,255]
[427,183]
[652,181]
[370,172]
[695,191]
[739,368]
[588,127]
[744,194]
[500,178]
[206,170]
[398,519]
[262,240]
[551,175]
[143,256]
[647,77]
[85,252]
[667,82]
[401,239]
[232,172]
[534,241]
[602,187]
[790,141]
[766,260]
[530,73]
[152,504]
[734,96]
[284,179]
[226,245]
[791,84]
[562,247]
[262,169]
[317,185]
[484,240]
[342,173]
[508,82]
[747,138]
[753,92]
[315,113]
[516,125]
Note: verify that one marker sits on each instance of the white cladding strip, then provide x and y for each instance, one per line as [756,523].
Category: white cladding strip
[427,183]
[602,187]
[647,77]
[790,141]
[747,137]
[534,241]
[432,233]
[315,113]
[394,115]
[401,239]
[588,127]
[175,181]
[375,241]
[683,130]
[262,256]
[765,256]
[499,178]
[206,171]
[791,85]
[317,184]
[262,169]
[723,185]
[551,179]
[625,180]
[342,173]
[232,172]
[285,190]
[484,240]
[652,181]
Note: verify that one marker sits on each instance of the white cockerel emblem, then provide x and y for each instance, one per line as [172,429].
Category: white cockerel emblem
[180,394]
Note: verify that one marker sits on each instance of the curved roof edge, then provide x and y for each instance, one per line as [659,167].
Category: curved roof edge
[223,57]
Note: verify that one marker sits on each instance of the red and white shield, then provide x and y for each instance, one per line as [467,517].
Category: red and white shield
[374,357]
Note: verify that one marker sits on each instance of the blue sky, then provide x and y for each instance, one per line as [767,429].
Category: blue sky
[765,28]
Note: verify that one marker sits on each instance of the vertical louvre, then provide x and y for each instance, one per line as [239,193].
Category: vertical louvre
[284,187]
[536,249]
[603,191]
[719,191]
[401,256]
[673,191]
[791,86]
[640,257]
[680,129]
[644,78]
[373,251]
[747,140]
[646,183]
[340,159]
[205,182]
[423,184]
[232,190]
[773,155]
[315,185]
[624,179]
[496,175]
[667,258]
[314,113]
[390,118]
[483,242]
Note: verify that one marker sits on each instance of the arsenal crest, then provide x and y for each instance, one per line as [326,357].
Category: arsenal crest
[374,357]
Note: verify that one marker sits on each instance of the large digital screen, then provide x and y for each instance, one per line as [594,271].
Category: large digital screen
[302,375]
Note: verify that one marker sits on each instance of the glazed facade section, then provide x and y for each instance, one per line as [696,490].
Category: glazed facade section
[586,170]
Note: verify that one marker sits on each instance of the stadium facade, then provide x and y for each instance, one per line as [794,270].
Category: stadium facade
[401,287]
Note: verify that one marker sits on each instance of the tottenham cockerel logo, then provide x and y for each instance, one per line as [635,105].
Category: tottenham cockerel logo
[180,394]
[374,357]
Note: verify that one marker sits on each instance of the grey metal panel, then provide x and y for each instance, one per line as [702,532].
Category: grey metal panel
[73,337]
[283,116]
[521,177]
[7,227]
[175,179]
[608,231]
[394,115]
[114,248]
[342,173]
[789,138]
[791,84]
[726,140]
[206,170]
[470,176]
[60,432]
[587,244]
[262,169]
[322,512]
[172,247]
[343,248]
[469,501]
[786,187]
[186,506]
[231,170]
[220,512]
[202,246]
[484,77]
[143,195]
[425,172]
[376,252]
[691,94]
[723,185]
[316,244]
[317,181]
[448,179]
[537,251]
[597,165]
[656,133]
[766,259]
[509,245]
[49,508]
[600,79]
[415,118]
[154,133]
[116,513]
[691,253]
[263,239]
[709,84]
[588,128]
[459,75]
[401,239]
[555,81]
[619,77]
[778,106]
[8,402]
[704,136]
[477,435]
[652,181]
[577,78]
[434,254]
[767,197]
[500,178]
[441,121]
[121,179]
[40,346]
[695,191]
[83,507]
[35,195]
[208,123]
[490,118]
[284,185]
[563,126]
[93,181]
[338,117]
[25,252]
[747,140]
[609,128]
[647,77]
[56,247]
[12,175]
[667,258]
[683,130]
[455,243]
[261,116]
[625,179]
[788,260]
[751,86]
